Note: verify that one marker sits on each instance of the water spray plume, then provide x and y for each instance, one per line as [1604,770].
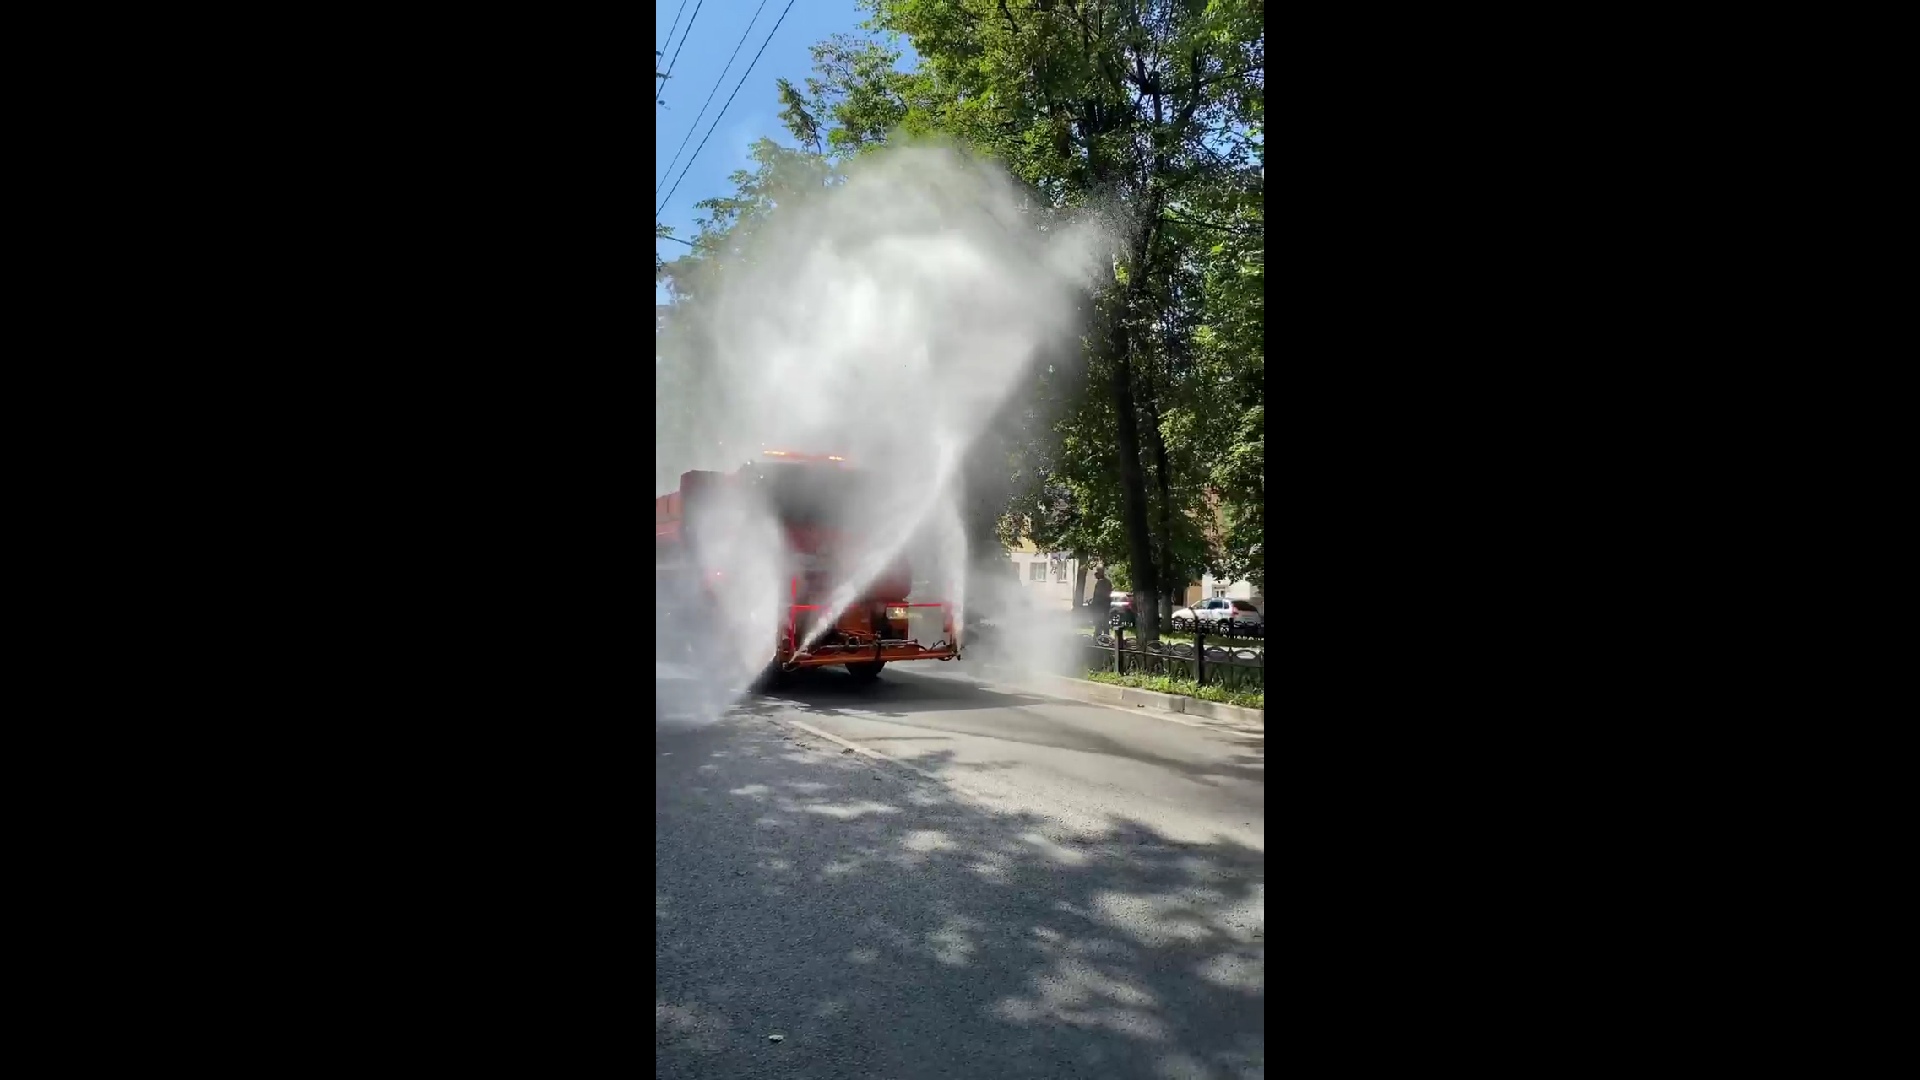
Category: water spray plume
[879,326]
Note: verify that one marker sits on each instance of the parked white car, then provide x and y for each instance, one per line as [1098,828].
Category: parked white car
[1220,612]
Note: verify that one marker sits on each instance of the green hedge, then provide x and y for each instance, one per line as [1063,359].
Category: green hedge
[1163,684]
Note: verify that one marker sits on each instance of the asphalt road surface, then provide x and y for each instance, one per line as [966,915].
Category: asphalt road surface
[937,876]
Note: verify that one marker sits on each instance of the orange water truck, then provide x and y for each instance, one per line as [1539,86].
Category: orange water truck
[826,512]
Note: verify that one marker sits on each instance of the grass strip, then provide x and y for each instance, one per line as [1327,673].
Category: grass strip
[1167,684]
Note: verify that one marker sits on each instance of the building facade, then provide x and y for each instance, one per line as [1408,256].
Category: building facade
[1048,579]
[1047,576]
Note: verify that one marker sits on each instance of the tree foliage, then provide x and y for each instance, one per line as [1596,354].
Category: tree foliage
[1145,444]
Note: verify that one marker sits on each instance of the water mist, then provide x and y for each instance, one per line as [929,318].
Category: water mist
[887,319]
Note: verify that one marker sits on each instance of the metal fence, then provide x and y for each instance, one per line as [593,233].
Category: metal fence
[1228,661]
[1214,628]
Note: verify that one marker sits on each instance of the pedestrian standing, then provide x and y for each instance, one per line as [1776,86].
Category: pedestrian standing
[1102,603]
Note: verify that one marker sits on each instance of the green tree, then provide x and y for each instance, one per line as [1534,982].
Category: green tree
[1150,111]
[1145,445]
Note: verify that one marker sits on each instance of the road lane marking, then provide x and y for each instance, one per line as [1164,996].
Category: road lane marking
[864,751]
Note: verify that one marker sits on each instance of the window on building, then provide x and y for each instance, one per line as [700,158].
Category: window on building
[1219,591]
[1036,571]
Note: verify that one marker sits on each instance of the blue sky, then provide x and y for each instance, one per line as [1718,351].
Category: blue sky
[755,112]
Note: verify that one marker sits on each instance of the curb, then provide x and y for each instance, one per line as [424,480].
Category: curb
[1105,694]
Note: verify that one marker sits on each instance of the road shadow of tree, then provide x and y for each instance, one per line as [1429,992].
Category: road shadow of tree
[888,926]
[953,707]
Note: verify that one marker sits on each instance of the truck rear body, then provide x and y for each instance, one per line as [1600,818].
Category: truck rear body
[826,532]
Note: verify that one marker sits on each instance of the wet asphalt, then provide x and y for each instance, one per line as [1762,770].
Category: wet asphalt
[940,876]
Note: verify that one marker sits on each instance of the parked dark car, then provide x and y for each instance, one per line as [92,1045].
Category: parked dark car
[1119,611]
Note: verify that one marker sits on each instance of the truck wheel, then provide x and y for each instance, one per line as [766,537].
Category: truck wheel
[866,670]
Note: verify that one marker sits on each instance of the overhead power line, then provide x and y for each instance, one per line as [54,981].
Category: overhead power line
[691,128]
[661,51]
[688,32]
[723,110]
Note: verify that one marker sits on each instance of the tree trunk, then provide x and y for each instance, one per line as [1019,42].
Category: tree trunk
[1150,261]
[1079,577]
[1133,489]
[1157,448]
